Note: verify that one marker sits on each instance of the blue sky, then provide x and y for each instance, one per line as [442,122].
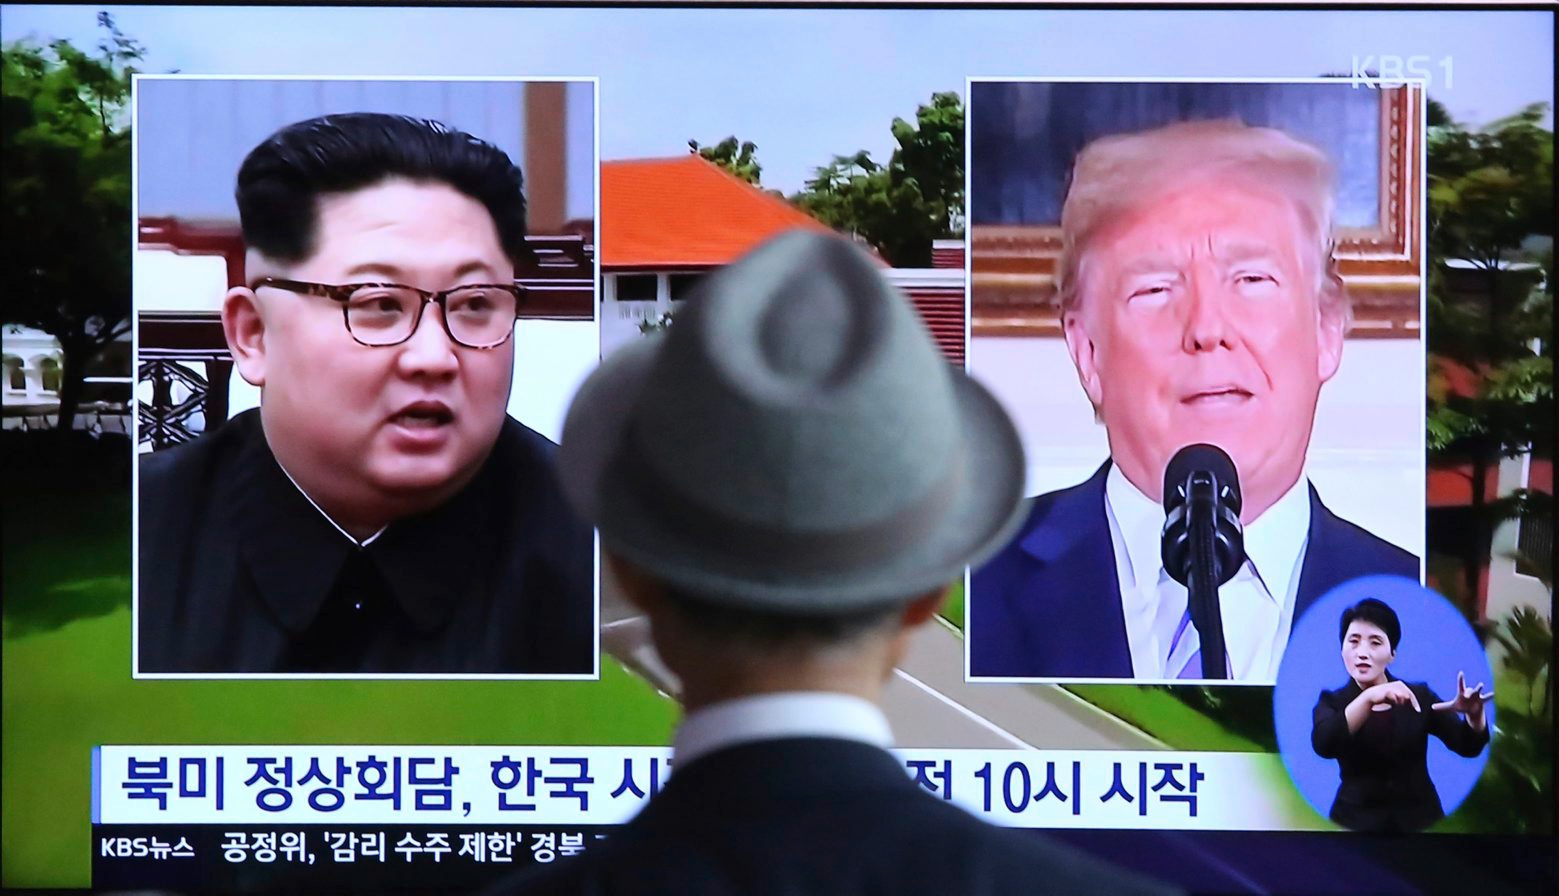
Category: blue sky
[807,84]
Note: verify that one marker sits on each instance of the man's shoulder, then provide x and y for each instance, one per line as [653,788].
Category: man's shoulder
[818,815]
[523,459]
[179,493]
[546,564]
[517,437]
[1057,519]
[1013,859]
[168,474]
[1040,608]
[957,852]
[1359,550]
[1087,495]
[522,474]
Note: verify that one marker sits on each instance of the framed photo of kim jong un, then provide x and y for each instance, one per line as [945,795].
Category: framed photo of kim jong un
[362,305]
[1161,264]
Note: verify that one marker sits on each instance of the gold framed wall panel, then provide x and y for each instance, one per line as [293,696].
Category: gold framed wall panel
[1012,268]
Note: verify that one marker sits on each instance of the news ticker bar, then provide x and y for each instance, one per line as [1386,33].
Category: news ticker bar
[199,858]
[472,787]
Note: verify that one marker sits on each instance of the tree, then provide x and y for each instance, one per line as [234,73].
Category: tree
[901,207]
[850,194]
[930,160]
[66,197]
[1490,191]
[1528,641]
[1515,794]
[739,158]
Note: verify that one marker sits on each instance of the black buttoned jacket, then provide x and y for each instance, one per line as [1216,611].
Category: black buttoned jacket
[238,572]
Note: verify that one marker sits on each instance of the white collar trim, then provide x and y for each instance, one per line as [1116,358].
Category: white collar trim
[774,716]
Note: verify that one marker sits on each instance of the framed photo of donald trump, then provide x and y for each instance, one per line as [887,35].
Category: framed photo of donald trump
[1156,265]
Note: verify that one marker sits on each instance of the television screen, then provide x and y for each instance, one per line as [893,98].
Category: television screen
[291,599]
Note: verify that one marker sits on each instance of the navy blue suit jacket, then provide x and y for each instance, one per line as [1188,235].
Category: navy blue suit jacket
[1049,606]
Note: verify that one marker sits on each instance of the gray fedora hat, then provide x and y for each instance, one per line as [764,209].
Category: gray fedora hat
[793,442]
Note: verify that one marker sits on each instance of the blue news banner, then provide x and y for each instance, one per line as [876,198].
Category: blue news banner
[236,817]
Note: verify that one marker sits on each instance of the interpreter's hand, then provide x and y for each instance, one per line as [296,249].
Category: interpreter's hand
[1469,702]
[1383,696]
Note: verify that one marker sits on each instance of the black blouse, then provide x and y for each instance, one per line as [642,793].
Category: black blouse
[1384,765]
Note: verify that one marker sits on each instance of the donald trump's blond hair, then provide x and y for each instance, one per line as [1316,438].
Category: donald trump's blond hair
[1118,173]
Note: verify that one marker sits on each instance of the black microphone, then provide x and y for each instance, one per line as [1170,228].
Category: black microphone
[1203,545]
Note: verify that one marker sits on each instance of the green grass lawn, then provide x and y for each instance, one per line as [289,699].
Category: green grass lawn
[1154,712]
[66,687]
[953,607]
[67,556]
[1183,728]
[1164,717]
[1177,725]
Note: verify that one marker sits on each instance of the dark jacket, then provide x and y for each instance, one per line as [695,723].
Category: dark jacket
[1049,604]
[238,572]
[816,817]
[1385,773]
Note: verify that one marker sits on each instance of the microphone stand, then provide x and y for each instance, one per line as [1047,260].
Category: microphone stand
[1202,579]
[1202,543]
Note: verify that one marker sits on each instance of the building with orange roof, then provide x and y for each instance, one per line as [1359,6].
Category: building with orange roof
[666,222]
[685,213]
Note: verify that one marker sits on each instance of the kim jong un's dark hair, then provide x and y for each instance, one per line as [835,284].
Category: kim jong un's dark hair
[281,179]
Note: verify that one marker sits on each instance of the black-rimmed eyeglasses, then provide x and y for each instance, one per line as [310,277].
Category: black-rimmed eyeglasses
[477,315]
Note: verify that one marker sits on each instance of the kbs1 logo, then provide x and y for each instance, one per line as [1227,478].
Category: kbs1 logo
[1388,68]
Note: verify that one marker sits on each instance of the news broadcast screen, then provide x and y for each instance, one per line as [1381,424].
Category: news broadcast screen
[1267,294]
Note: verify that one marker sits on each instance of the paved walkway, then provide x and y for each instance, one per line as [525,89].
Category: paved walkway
[928,702]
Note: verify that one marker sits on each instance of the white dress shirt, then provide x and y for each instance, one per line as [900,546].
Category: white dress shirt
[1257,604]
[774,716]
